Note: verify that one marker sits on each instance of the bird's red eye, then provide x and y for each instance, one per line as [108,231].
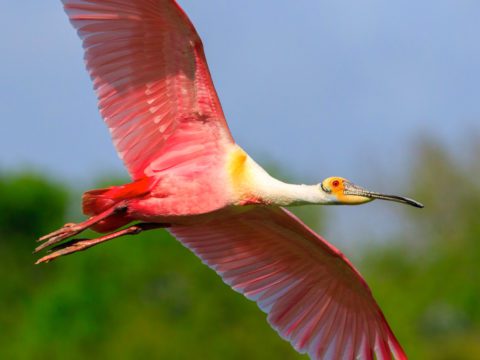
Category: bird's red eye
[335,183]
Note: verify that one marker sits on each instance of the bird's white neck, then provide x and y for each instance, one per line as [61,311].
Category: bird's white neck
[284,194]
[252,183]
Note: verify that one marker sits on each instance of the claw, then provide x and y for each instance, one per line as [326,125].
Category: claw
[58,236]
[65,245]
[65,249]
[63,229]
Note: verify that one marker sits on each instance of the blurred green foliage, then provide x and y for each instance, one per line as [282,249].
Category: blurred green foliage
[147,297]
[428,282]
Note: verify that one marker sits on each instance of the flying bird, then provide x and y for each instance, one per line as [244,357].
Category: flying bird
[189,176]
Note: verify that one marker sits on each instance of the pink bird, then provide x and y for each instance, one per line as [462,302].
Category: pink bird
[189,176]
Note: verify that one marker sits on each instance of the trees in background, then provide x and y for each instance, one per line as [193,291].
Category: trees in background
[428,281]
[147,297]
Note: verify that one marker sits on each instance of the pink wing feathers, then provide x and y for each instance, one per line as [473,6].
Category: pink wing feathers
[157,97]
[152,81]
[312,294]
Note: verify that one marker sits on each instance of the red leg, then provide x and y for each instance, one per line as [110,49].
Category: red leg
[72,229]
[83,244]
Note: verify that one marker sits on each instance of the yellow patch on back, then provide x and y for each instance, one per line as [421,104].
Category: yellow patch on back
[238,169]
[236,163]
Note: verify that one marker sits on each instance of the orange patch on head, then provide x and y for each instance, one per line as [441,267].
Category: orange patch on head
[336,187]
[333,185]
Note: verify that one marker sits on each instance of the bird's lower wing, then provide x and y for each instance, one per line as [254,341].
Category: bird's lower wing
[312,294]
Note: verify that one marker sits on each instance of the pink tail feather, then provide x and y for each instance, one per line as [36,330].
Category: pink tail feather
[96,201]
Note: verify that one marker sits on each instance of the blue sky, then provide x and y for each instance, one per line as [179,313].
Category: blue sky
[320,88]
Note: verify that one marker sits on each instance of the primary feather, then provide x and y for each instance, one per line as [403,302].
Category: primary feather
[154,88]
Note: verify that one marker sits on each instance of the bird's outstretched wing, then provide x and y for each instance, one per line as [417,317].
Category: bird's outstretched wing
[312,294]
[152,80]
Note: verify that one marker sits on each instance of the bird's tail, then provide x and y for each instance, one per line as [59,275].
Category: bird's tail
[96,201]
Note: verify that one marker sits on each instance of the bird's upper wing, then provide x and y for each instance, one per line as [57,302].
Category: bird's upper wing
[152,80]
[312,294]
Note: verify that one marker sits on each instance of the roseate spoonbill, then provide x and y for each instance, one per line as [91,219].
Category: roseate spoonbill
[155,93]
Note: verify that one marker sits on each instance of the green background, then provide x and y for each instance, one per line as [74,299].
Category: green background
[147,297]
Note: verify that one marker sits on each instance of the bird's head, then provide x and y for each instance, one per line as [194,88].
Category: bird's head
[341,191]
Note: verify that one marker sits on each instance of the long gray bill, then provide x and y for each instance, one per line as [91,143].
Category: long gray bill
[396,198]
[352,189]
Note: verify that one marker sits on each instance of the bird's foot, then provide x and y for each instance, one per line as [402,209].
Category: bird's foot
[75,245]
[71,229]
[68,230]
[64,249]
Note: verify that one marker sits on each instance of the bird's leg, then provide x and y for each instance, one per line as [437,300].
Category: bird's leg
[72,229]
[75,245]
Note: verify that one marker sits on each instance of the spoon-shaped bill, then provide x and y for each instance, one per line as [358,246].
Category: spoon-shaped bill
[355,190]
